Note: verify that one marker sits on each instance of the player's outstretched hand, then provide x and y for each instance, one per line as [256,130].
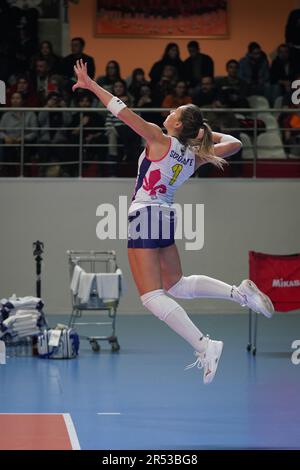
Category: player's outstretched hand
[83,80]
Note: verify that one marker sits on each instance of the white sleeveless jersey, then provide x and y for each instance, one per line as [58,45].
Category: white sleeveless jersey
[157,181]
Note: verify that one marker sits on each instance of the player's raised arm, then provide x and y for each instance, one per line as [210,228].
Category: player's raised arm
[150,132]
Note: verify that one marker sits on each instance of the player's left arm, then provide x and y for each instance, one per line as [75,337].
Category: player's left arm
[225,144]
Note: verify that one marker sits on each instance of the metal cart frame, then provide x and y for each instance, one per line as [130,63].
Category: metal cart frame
[252,332]
[92,259]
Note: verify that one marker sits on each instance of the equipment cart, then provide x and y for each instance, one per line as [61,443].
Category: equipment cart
[96,262]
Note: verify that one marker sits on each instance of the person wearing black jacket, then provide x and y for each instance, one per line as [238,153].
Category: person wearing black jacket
[171,57]
[197,65]
[77,48]
[281,72]
[292,29]
[292,37]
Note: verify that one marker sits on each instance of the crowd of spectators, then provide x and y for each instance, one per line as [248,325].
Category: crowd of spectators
[37,76]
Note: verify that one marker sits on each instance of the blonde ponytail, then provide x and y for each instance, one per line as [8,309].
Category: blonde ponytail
[204,148]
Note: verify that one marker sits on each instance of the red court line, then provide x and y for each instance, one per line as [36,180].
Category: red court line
[35,432]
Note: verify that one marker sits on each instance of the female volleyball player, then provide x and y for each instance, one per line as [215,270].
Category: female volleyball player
[169,160]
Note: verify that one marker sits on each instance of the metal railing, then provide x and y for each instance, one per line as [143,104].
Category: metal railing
[270,150]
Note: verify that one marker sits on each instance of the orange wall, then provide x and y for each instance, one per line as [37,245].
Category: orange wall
[254,20]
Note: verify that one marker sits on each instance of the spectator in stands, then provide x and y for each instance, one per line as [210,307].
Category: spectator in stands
[118,132]
[41,81]
[7,62]
[145,100]
[281,72]
[165,86]
[254,70]
[5,20]
[25,49]
[112,74]
[18,29]
[197,65]
[77,48]
[205,93]
[46,53]
[24,87]
[292,29]
[57,83]
[26,14]
[232,99]
[232,87]
[226,123]
[22,33]
[90,136]
[171,57]
[11,133]
[179,97]
[137,81]
[292,38]
[48,120]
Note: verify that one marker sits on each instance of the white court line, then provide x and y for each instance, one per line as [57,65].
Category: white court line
[94,323]
[72,431]
[112,414]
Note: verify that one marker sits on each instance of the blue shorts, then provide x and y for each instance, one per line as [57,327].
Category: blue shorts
[151,227]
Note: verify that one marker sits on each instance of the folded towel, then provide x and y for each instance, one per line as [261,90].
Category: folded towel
[108,285]
[85,284]
[14,303]
[25,321]
[20,316]
[21,319]
[33,313]
[25,302]
[28,332]
[75,279]
[23,326]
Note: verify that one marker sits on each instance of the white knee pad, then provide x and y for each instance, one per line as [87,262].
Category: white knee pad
[158,303]
[185,288]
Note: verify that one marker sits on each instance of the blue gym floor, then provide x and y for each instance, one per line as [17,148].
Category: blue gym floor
[253,402]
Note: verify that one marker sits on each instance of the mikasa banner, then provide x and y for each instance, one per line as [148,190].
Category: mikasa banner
[279,277]
[284,283]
